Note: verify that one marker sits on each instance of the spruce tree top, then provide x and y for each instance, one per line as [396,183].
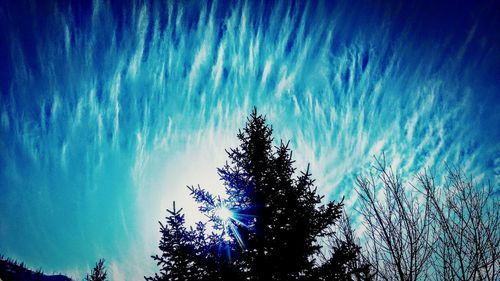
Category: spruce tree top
[267,228]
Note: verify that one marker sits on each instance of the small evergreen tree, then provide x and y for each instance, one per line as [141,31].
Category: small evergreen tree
[98,272]
[182,250]
[266,229]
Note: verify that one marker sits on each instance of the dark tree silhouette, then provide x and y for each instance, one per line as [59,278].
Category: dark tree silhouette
[98,272]
[187,253]
[268,227]
[425,231]
[12,270]
[343,246]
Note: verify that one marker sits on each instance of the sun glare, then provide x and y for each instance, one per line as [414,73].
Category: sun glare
[223,213]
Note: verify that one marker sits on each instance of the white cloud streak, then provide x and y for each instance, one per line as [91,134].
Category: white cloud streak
[135,111]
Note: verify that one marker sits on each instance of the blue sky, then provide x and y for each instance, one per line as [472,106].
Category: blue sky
[108,110]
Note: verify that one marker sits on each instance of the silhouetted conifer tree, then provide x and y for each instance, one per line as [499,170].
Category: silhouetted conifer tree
[98,272]
[267,228]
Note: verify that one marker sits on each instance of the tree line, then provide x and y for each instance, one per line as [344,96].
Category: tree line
[273,225]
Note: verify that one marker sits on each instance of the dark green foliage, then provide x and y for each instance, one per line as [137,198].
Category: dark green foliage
[98,272]
[272,234]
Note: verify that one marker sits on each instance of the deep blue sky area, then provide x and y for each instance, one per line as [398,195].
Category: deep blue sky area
[108,109]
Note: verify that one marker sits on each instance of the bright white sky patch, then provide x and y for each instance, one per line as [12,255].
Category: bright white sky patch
[223,213]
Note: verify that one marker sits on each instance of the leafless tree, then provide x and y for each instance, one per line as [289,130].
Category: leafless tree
[398,224]
[424,231]
[467,227]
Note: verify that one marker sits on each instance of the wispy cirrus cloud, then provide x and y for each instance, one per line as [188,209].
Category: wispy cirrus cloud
[111,110]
